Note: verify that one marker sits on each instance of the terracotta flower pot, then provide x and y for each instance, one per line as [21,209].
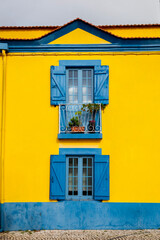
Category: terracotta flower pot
[78,129]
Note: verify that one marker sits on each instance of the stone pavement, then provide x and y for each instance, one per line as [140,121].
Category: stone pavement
[82,234]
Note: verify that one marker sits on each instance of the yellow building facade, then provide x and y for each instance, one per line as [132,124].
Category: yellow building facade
[43,71]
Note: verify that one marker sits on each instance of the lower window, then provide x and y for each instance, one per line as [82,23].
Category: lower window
[79,172]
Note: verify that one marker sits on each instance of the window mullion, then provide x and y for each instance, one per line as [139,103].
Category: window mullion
[80,177]
[80,86]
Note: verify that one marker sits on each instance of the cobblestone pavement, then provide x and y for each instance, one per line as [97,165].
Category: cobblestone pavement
[82,234]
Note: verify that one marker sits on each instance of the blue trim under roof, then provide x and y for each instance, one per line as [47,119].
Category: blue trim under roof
[118,44]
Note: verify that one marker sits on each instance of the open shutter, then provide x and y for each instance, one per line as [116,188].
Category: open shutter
[58,85]
[101,177]
[101,78]
[57,177]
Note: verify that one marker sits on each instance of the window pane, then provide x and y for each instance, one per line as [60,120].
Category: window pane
[70,181]
[75,161]
[84,181]
[70,73]
[89,171]
[89,90]
[84,162]
[90,181]
[76,172]
[75,99]
[84,172]
[89,161]
[75,181]
[84,82]
[70,172]
[75,73]
[70,161]
[84,73]
[84,90]
[89,73]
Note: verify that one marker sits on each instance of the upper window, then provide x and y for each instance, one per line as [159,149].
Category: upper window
[79,86]
[84,84]
[74,83]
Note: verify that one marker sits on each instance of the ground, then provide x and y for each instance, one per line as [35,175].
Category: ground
[83,234]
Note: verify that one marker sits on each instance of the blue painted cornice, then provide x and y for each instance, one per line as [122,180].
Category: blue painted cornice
[3,46]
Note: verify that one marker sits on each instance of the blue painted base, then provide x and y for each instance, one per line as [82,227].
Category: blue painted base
[80,136]
[81,215]
[1,217]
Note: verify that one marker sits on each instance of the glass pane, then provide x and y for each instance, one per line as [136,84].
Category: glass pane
[89,161]
[89,90]
[76,172]
[84,172]
[75,181]
[70,161]
[84,162]
[70,181]
[75,161]
[76,82]
[75,99]
[84,90]
[70,172]
[89,73]
[75,73]
[70,90]
[84,99]
[84,181]
[76,91]
[84,82]
[89,191]
[89,171]
[89,82]
[70,99]
[89,99]
[83,73]
[70,73]
[90,181]
[70,82]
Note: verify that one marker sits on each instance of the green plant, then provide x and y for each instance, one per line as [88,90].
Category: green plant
[92,107]
[76,120]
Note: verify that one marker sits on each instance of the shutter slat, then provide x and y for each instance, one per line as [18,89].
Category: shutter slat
[58,85]
[57,177]
[101,174]
[101,81]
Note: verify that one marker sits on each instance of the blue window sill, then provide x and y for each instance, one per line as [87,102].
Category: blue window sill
[80,136]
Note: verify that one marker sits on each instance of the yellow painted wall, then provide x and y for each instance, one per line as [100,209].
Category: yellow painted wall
[0,125]
[130,125]
[79,36]
[135,32]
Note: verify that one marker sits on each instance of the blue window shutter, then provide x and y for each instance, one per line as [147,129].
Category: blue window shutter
[57,177]
[58,85]
[101,175]
[101,80]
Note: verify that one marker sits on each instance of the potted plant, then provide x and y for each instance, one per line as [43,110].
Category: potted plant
[75,123]
[92,108]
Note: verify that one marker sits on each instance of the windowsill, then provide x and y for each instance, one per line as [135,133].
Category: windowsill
[80,136]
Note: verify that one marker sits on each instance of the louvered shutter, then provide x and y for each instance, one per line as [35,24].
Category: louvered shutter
[57,177]
[58,85]
[101,177]
[101,78]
